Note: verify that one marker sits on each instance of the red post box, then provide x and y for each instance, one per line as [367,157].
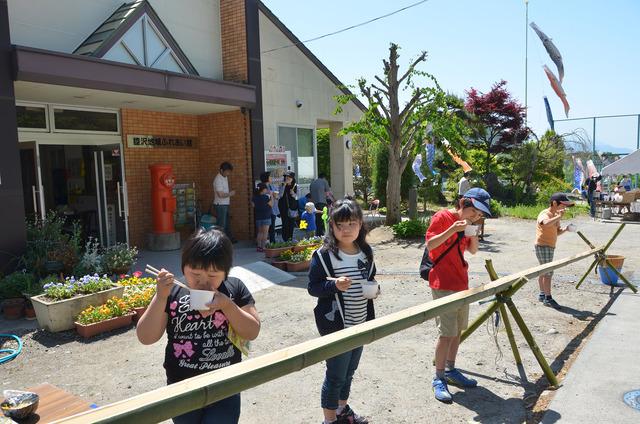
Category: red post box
[163,204]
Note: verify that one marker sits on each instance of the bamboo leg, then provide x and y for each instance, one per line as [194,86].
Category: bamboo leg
[478,321]
[488,264]
[586,273]
[532,343]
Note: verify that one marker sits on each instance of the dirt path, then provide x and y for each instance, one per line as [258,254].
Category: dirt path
[393,382]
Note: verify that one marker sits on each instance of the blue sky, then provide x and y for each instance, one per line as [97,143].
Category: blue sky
[473,43]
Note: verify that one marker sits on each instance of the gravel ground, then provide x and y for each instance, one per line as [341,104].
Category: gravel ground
[393,382]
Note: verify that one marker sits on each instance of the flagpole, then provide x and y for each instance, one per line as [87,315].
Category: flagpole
[526,58]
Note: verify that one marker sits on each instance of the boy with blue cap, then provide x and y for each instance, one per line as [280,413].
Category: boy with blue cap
[450,275]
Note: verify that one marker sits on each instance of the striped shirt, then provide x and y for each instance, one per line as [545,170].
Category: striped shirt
[356,268]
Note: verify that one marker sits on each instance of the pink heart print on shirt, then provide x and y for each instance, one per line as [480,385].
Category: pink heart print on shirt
[219,319]
[183,350]
[173,305]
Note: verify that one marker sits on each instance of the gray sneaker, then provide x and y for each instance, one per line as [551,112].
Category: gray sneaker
[550,302]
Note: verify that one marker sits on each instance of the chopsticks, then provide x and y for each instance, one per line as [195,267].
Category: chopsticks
[153,271]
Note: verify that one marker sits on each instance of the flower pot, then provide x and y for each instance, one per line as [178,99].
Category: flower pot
[13,308]
[29,311]
[298,266]
[91,330]
[280,265]
[60,315]
[272,253]
[138,313]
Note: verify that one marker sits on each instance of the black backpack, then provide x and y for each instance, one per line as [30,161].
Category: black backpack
[426,264]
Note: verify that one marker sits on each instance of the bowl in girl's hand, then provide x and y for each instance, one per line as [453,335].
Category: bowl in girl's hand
[370,289]
[572,228]
[471,230]
[199,299]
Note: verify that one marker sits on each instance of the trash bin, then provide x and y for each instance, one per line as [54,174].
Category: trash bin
[607,276]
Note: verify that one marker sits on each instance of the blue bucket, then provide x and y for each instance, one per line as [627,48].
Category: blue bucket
[608,277]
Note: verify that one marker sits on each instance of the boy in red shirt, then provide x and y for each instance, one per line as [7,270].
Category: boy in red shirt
[449,276]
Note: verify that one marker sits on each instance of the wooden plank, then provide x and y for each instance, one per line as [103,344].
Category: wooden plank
[199,391]
[55,404]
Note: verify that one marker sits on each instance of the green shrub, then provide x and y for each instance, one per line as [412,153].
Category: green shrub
[555,185]
[497,208]
[532,211]
[15,284]
[413,228]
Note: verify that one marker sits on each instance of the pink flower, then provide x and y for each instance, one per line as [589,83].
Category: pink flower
[137,274]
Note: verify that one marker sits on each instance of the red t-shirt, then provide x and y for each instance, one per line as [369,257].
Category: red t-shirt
[451,272]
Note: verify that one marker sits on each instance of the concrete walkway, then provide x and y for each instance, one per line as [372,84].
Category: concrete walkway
[606,369]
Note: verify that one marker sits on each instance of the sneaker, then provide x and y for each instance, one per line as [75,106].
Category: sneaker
[348,416]
[259,249]
[441,390]
[541,297]
[550,302]
[456,378]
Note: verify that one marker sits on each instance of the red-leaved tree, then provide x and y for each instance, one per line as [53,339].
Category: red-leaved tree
[497,122]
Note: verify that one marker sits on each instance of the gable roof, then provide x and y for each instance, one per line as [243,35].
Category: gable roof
[298,44]
[116,26]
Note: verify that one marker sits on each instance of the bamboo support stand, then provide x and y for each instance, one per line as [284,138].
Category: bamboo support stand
[602,257]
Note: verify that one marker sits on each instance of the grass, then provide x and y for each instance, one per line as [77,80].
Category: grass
[532,211]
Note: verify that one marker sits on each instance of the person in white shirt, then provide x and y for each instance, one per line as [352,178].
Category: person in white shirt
[463,185]
[222,196]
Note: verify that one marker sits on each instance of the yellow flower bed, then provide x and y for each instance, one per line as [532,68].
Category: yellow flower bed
[115,307]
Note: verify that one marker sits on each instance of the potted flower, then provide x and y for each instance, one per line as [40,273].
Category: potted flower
[33,288]
[138,293]
[11,288]
[303,244]
[300,261]
[281,260]
[115,313]
[274,249]
[118,258]
[61,301]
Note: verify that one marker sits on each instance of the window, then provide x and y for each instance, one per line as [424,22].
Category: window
[32,117]
[300,142]
[85,120]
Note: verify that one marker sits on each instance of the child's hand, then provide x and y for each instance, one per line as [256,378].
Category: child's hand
[164,283]
[219,303]
[343,283]
[458,226]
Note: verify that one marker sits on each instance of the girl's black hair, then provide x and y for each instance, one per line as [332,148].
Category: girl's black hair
[264,177]
[207,249]
[464,203]
[345,210]
[259,188]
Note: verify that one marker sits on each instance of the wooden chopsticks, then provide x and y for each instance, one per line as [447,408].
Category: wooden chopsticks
[153,271]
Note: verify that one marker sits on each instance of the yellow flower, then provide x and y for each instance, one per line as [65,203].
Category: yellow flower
[303,224]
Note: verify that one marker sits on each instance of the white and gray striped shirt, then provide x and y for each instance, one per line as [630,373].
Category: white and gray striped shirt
[355,267]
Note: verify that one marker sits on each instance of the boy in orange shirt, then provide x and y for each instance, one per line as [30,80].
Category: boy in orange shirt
[547,231]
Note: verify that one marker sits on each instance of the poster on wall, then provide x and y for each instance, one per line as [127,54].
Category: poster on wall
[277,163]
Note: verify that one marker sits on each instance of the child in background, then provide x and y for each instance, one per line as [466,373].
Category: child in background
[346,256]
[547,231]
[309,218]
[199,341]
[262,205]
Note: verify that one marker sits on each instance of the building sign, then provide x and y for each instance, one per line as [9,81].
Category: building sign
[161,141]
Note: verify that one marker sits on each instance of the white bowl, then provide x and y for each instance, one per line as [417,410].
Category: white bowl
[199,299]
[471,230]
[370,289]
[572,228]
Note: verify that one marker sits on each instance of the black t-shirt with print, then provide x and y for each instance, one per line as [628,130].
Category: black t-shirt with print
[196,345]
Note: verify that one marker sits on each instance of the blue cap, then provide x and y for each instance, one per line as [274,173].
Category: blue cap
[480,199]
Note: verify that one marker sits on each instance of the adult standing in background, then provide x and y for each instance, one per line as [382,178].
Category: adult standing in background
[592,184]
[464,185]
[320,191]
[222,196]
[288,205]
[272,191]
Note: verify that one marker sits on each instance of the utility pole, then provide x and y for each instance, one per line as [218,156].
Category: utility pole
[526,58]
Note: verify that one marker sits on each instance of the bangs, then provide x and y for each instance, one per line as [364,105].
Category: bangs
[345,211]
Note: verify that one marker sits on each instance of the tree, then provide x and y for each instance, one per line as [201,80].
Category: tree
[497,123]
[397,128]
[324,152]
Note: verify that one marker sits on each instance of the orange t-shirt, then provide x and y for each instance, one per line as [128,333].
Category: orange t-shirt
[546,235]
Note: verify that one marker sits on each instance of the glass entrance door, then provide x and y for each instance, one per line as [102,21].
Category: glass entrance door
[85,183]
[110,186]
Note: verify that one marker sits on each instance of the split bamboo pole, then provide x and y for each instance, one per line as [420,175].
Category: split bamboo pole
[197,392]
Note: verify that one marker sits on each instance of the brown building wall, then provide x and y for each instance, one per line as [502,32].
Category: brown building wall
[221,136]
[234,40]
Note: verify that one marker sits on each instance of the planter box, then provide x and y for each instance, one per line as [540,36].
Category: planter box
[272,253]
[298,266]
[306,246]
[61,315]
[280,265]
[138,313]
[91,330]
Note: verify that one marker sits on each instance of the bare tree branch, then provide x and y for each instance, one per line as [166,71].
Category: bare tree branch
[421,58]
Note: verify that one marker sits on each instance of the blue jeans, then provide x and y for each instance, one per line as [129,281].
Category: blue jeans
[337,380]
[225,411]
[222,218]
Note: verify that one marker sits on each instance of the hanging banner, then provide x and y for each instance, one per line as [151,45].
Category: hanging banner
[417,163]
[430,149]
